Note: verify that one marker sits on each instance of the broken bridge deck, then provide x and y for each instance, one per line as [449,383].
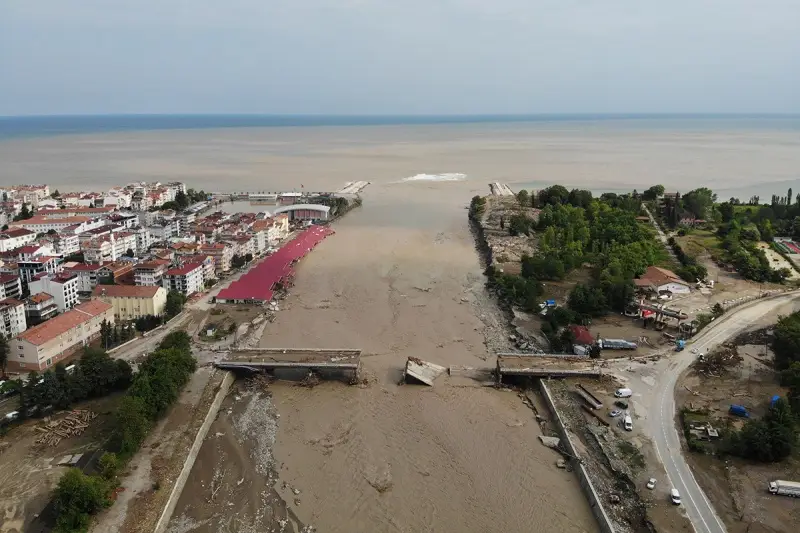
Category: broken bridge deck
[287,358]
[543,366]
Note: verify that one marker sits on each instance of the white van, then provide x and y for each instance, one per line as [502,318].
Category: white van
[627,423]
[675,496]
[623,393]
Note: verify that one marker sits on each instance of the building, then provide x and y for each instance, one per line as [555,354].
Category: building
[209,268]
[40,224]
[660,280]
[63,244]
[63,287]
[40,307]
[10,286]
[98,250]
[87,274]
[143,239]
[31,268]
[150,273]
[26,253]
[42,346]
[91,212]
[12,317]
[131,302]
[116,272]
[187,279]
[222,254]
[14,238]
[305,212]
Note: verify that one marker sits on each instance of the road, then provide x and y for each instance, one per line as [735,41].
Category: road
[654,403]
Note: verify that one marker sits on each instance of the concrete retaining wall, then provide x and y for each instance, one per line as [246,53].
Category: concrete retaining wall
[177,489]
[599,512]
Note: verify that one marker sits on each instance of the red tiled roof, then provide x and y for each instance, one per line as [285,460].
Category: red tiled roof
[183,270]
[40,297]
[129,291]
[257,284]
[11,233]
[156,263]
[44,220]
[54,327]
[10,302]
[659,276]
[84,267]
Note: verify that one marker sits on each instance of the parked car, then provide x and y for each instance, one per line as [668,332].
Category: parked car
[623,393]
[621,404]
[615,413]
[675,496]
[651,484]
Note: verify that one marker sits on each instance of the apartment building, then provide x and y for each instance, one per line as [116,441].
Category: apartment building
[12,317]
[116,272]
[150,273]
[42,346]
[10,286]
[40,307]
[209,270]
[63,287]
[14,238]
[222,254]
[187,279]
[91,212]
[31,268]
[87,274]
[41,224]
[131,302]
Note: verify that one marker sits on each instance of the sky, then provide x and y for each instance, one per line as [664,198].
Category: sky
[399,56]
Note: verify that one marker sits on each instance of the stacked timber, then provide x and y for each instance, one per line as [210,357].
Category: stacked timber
[72,425]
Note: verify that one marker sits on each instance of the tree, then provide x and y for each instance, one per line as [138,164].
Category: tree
[77,497]
[587,301]
[181,200]
[786,341]
[523,197]
[553,195]
[175,303]
[519,225]
[131,425]
[791,378]
[699,201]
[4,351]
[55,194]
[580,198]
[653,193]
[726,210]
[24,214]
[109,467]
[237,261]
[248,257]
[130,253]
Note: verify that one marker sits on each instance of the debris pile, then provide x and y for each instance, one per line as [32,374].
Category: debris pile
[719,361]
[74,424]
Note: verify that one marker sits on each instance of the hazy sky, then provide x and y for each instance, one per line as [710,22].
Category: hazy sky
[398,56]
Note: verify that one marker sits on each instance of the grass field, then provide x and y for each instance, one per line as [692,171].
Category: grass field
[700,242]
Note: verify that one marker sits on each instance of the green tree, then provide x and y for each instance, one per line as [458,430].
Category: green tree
[109,467]
[4,351]
[523,197]
[699,201]
[519,225]
[77,497]
[175,303]
[182,200]
[25,213]
[131,425]
[791,378]
[726,211]
[587,301]
[786,341]
[653,193]
[553,195]
[130,253]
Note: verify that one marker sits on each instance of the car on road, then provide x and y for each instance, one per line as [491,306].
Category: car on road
[651,483]
[621,404]
[615,413]
[623,393]
[675,496]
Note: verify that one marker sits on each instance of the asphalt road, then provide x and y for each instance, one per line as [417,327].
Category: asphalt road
[654,400]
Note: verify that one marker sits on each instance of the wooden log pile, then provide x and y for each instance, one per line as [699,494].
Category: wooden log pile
[74,424]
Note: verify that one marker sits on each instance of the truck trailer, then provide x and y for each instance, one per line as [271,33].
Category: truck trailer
[785,488]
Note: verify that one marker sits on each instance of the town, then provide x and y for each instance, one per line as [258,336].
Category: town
[130,257]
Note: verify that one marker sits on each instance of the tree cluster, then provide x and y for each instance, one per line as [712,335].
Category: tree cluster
[25,213]
[238,261]
[515,290]
[768,439]
[477,207]
[96,374]
[690,269]
[155,387]
[750,261]
[148,322]
[786,341]
[175,302]
[112,335]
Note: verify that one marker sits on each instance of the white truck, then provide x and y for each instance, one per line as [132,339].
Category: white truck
[785,488]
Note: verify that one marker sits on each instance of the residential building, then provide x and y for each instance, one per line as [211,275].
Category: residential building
[91,212]
[10,286]
[63,243]
[42,346]
[127,219]
[150,273]
[63,287]
[31,251]
[207,261]
[116,272]
[279,229]
[98,250]
[40,307]
[143,239]
[187,279]
[87,274]
[13,238]
[222,254]
[660,280]
[12,317]
[41,224]
[31,268]
[131,302]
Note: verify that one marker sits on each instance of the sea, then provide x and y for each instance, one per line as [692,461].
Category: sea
[736,155]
